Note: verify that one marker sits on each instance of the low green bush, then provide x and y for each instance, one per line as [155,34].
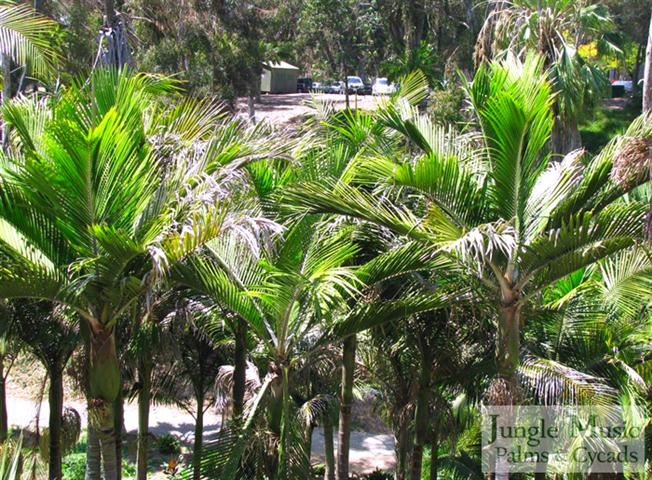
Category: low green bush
[168,445]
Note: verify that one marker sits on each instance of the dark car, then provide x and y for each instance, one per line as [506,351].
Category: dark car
[304,85]
[367,89]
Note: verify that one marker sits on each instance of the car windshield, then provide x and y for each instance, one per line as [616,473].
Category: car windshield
[381,81]
[354,80]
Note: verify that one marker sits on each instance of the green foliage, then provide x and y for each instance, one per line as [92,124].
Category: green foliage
[446,105]
[379,475]
[602,124]
[168,444]
[74,467]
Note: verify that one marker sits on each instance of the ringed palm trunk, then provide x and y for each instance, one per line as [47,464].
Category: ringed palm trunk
[329,450]
[104,380]
[421,421]
[505,389]
[283,456]
[145,378]
[93,454]
[509,341]
[198,444]
[119,414]
[434,451]
[346,404]
[56,411]
[402,448]
[240,369]
[4,427]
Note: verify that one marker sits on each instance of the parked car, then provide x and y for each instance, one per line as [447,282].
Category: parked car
[382,87]
[355,85]
[317,87]
[334,87]
[304,85]
[367,88]
[628,85]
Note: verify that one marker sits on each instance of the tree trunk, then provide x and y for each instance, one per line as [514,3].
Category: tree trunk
[240,369]
[329,451]
[346,404]
[509,341]
[565,136]
[93,455]
[145,379]
[118,425]
[4,427]
[54,426]
[434,451]
[283,454]
[647,76]
[109,457]
[199,437]
[421,420]
[402,442]
[6,95]
[104,388]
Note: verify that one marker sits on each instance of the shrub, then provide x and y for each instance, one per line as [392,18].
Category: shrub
[446,105]
[168,445]
[379,475]
[74,467]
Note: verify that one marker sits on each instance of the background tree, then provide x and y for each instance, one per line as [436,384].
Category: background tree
[51,336]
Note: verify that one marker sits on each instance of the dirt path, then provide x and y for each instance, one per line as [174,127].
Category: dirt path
[291,108]
[368,451]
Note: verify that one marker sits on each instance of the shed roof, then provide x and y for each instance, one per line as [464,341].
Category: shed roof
[280,65]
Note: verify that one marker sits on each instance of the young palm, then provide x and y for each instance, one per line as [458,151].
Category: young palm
[104,193]
[513,218]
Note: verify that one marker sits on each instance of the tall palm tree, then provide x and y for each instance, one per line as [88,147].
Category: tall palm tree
[106,190]
[505,212]
[556,29]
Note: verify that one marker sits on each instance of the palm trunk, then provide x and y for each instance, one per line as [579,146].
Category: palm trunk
[434,451]
[4,427]
[402,442]
[507,358]
[6,95]
[104,388]
[565,136]
[647,75]
[283,456]
[346,403]
[145,378]
[118,424]
[240,369]
[93,455]
[329,450]
[509,340]
[421,420]
[199,437]
[109,457]
[56,412]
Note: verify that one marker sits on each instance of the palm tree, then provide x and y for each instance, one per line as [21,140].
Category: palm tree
[504,212]
[52,336]
[105,192]
[26,39]
[556,29]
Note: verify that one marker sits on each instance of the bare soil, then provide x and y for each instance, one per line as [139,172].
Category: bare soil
[293,108]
